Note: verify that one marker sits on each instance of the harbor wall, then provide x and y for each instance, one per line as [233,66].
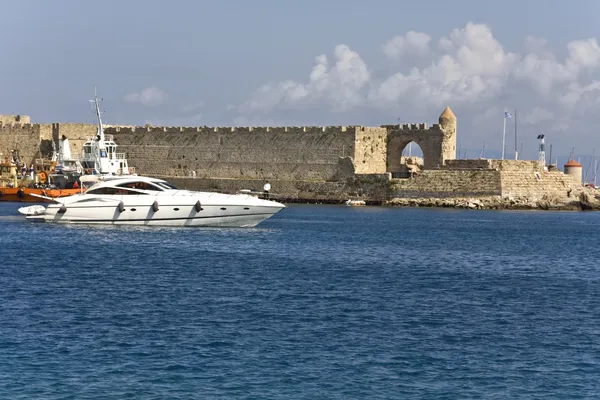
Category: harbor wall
[448,183]
[285,153]
[525,178]
[371,187]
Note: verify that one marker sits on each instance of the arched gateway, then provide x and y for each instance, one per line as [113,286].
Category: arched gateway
[438,143]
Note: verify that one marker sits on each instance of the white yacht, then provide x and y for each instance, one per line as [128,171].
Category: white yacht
[139,200]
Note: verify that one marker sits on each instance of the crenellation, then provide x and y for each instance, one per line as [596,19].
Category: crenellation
[470,164]
[336,129]
[14,119]
[294,129]
[419,126]
[237,129]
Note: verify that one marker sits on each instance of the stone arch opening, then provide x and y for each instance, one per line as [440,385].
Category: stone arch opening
[412,159]
[406,157]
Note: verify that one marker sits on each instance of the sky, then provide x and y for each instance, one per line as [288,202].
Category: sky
[309,62]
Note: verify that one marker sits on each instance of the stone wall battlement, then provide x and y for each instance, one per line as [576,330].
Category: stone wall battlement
[517,165]
[14,119]
[468,164]
[245,129]
[421,126]
[15,126]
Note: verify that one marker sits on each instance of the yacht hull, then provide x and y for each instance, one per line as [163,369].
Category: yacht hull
[131,212]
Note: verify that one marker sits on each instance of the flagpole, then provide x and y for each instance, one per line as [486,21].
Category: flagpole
[504,135]
[516,150]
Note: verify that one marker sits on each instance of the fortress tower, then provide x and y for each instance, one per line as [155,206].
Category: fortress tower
[448,126]
[438,143]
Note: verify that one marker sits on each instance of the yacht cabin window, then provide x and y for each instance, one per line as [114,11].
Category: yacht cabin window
[141,186]
[112,190]
[166,185]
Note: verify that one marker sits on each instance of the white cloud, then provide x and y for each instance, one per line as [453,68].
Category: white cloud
[469,69]
[193,107]
[537,115]
[339,85]
[150,96]
[412,43]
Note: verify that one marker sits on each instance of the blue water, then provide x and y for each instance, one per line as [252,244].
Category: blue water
[319,302]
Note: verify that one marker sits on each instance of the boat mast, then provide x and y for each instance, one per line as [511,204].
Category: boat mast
[516,150]
[587,170]
[100,146]
[99,116]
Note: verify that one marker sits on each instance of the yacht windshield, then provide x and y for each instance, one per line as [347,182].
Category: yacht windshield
[113,190]
[165,185]
[141,185]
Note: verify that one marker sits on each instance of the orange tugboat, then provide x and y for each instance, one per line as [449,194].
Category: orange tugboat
[18,183]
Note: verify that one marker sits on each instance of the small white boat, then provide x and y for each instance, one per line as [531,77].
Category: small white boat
[139,200]
[355,202]
[32,210]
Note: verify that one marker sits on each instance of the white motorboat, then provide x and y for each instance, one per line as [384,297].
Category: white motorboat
[139,200]
[32,210]
[351,202]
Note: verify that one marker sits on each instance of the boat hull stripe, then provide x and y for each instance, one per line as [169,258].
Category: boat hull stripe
[159,219]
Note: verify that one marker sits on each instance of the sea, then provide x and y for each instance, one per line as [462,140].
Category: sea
[318,302]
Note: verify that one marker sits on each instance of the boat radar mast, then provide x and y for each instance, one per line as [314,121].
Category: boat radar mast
[99,116]
[100,152]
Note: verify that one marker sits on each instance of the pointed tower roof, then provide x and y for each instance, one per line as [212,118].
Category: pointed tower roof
[572,163]
[448,114]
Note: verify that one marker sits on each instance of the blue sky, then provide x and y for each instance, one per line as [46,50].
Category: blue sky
[267,62]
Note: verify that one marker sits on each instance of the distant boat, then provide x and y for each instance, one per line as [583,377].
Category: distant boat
[355,203]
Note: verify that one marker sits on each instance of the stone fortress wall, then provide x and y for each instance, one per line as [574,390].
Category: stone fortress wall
[35,140]
[485,177]
[287,153]
[309,162]
[18,133]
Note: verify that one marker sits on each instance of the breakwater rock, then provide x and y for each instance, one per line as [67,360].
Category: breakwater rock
[584,200]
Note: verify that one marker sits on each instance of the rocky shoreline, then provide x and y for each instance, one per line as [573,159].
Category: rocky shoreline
[585,200]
